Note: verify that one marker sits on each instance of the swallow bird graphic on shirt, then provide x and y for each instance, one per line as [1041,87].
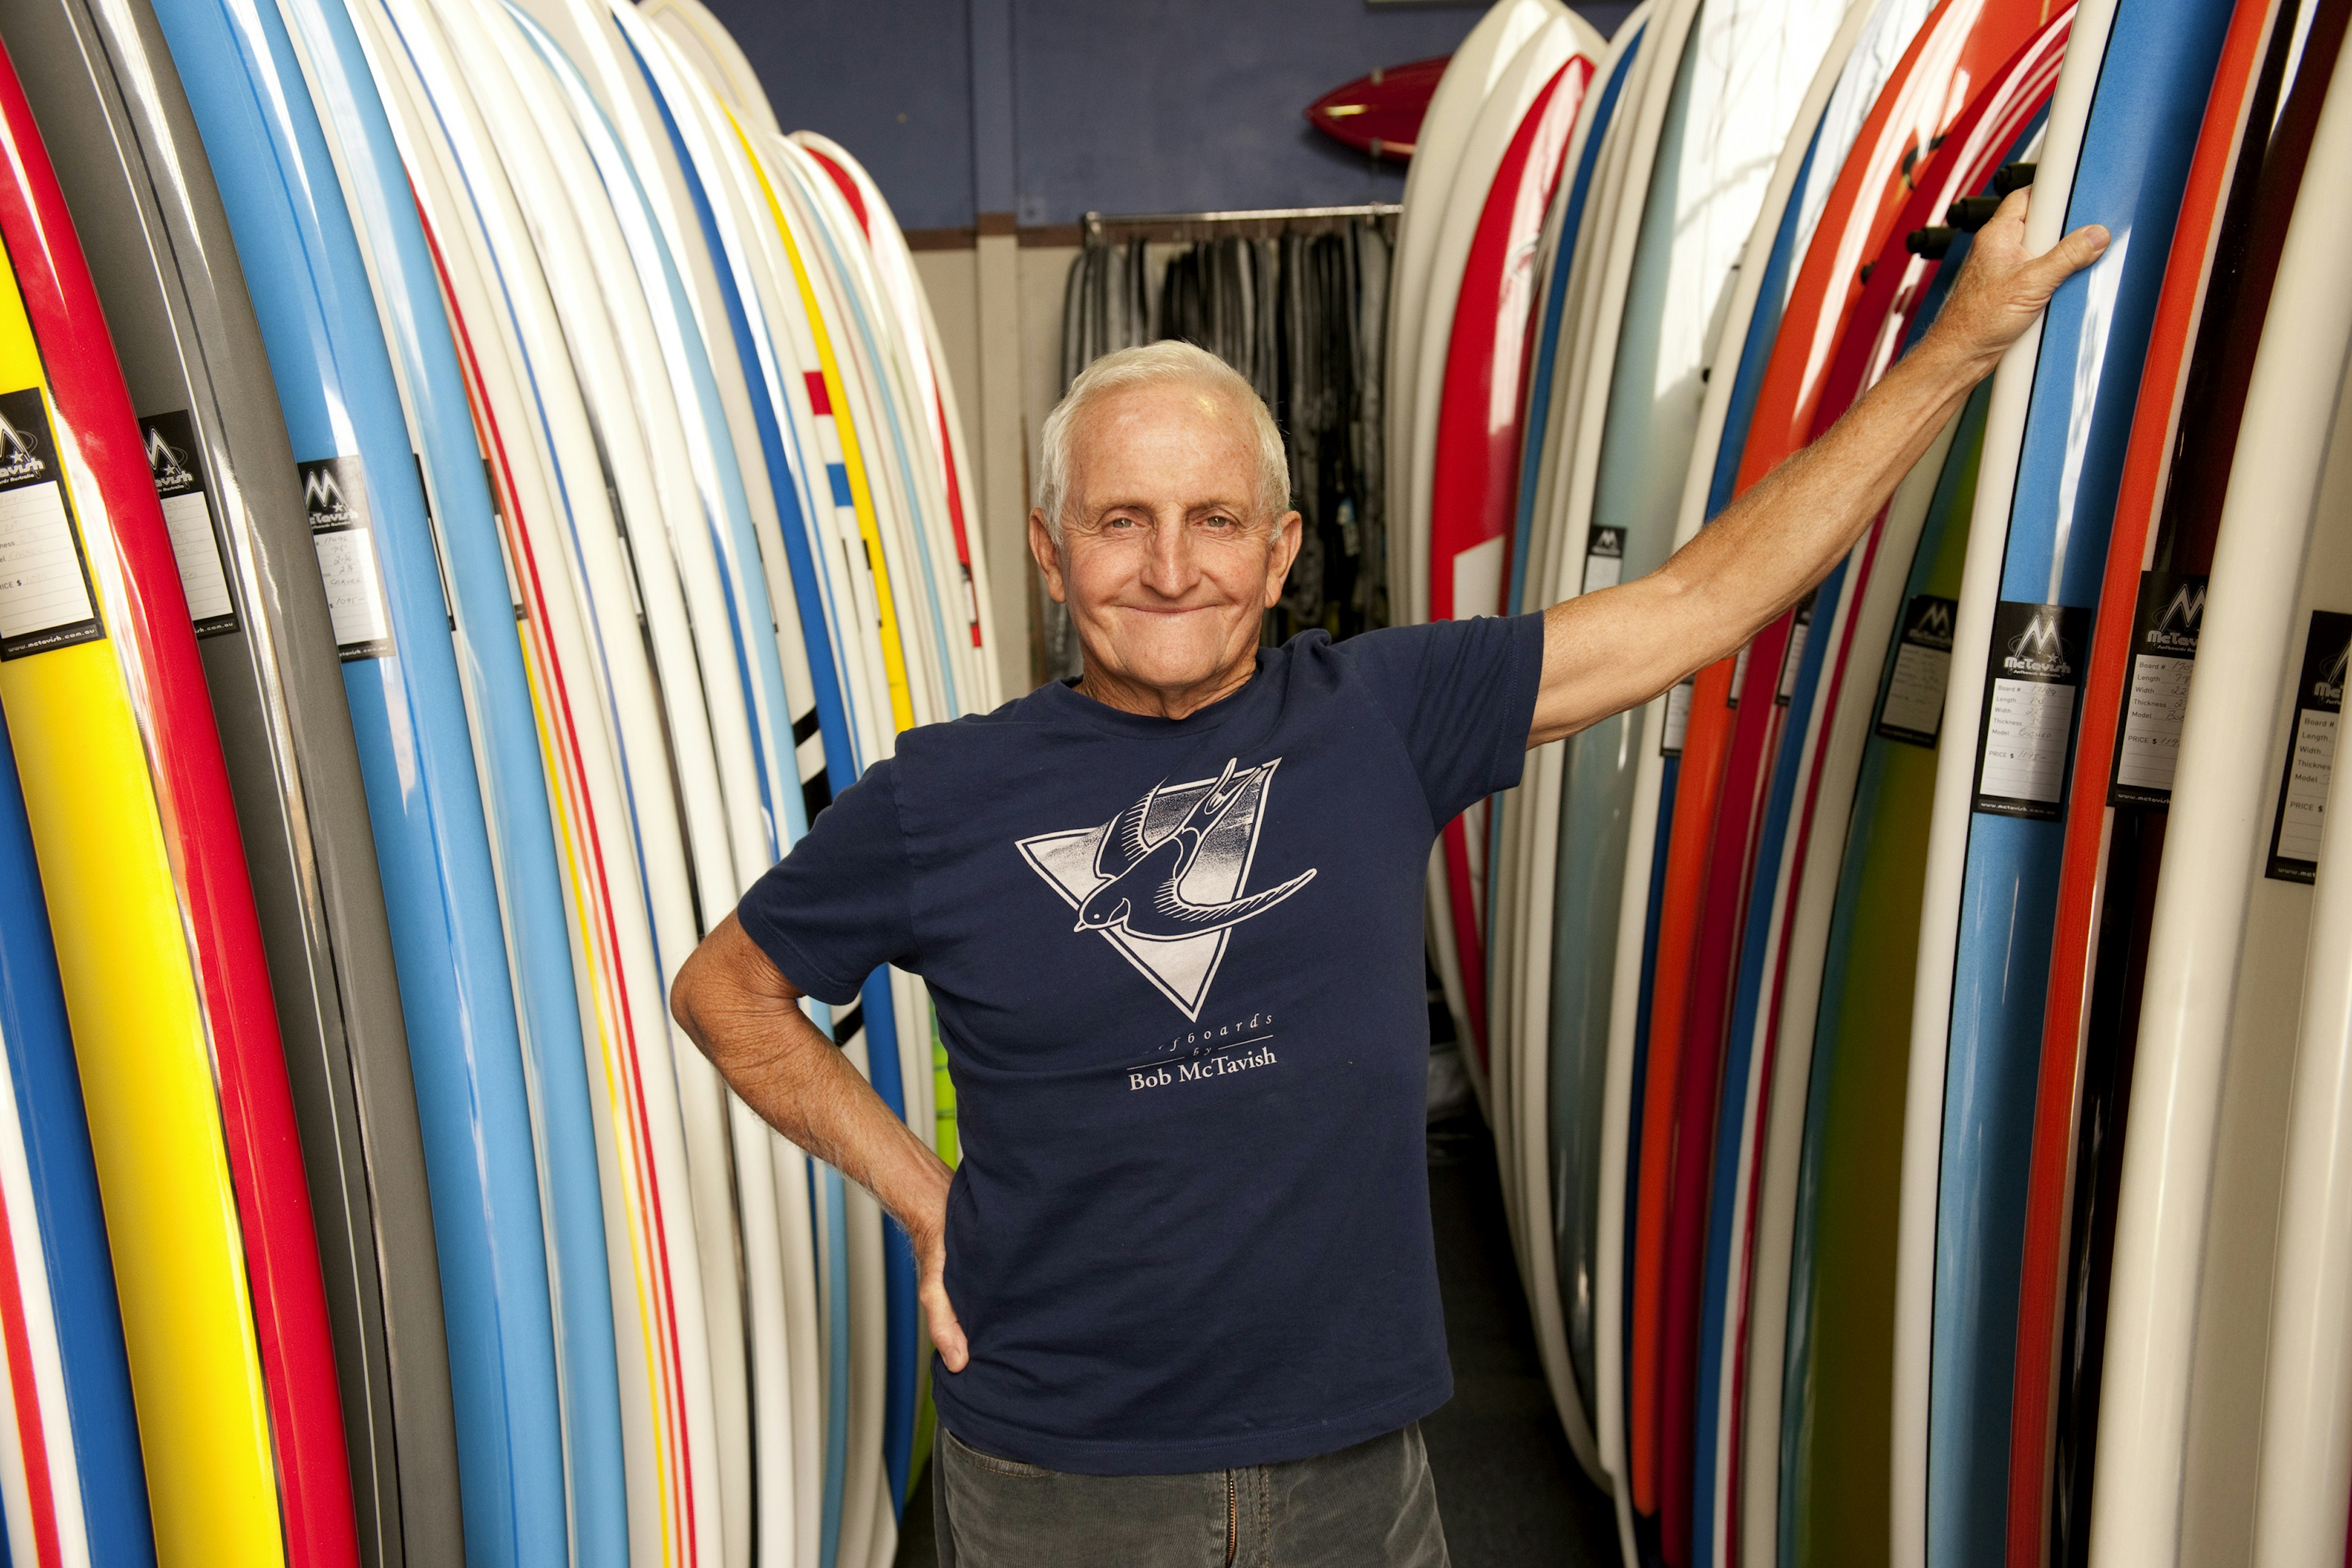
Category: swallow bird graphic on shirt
[1163,880]
[1143,888]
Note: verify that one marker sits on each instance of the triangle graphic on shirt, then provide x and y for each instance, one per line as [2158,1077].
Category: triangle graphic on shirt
[1162,880]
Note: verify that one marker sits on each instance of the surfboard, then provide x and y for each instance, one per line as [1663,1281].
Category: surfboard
[1837,1385]
[362,491]
[1380,113]
[1695,920]
[2305,1467]
[1517,910]
[2113,830]
[1470,75]
[1788,995]
[182,1274]
[780,1269]
[892,1019]
[1899,303]
[1430,180]
[1736,89]
[193,362]
[863,1523]
[919,336]
[1736,359]
[2262,669]
[1464,298]
[476,581]
[744,684]
[1479,467]
[849,630]
[701,38]
[820,1384]
[1596,289]
[1518,141]
[247,1058]
[564,553]
[672,721]
[71,1480]
[2122,127]
[1511,890]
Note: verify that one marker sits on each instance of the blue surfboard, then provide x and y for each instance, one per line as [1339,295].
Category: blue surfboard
[48,1108]
[2137,144]
[522,836]
[368,516]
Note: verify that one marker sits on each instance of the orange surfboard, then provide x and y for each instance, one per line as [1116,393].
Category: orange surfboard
[1961,43]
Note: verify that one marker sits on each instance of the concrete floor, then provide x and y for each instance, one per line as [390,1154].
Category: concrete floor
[1507,1484]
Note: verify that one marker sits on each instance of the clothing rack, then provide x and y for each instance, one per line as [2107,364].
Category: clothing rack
[1263,223]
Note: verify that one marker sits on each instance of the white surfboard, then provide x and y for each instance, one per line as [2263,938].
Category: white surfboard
[2219,1013]
[657,1288]
[704,39]
[2305,1453]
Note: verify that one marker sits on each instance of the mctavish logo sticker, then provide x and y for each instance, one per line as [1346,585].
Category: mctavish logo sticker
[2026,737]
[335,493]
[1163,881]
[2166,620]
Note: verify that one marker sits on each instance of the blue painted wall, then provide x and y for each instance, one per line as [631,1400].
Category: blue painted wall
[1117,105]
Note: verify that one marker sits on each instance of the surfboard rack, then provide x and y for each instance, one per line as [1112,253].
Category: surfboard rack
[1260,223]
[1935,240]
[1970,214]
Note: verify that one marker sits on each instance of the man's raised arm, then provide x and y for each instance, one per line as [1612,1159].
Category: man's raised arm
[1607,651]
[746,1016]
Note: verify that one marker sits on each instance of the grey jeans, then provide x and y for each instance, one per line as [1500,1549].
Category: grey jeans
[1371,1506]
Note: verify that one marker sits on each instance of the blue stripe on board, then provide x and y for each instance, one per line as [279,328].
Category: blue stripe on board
[49,1110]
[839,475]
[1536,421]
[1756,349]
[897,1257]
[317,316]
[1724,1213]
[2142,130]
[832,721]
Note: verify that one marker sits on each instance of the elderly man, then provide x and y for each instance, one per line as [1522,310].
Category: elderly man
[1183,1286]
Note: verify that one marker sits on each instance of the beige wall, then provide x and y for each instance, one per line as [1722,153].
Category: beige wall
[999,308]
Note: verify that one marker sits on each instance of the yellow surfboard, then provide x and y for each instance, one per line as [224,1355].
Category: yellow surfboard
[131,992]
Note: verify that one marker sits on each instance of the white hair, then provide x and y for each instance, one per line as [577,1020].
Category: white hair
[1154,364]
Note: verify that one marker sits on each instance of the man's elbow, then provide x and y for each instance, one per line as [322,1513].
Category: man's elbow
[699,995]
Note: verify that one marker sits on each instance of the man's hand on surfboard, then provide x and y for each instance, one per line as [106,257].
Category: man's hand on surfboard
[2003,290]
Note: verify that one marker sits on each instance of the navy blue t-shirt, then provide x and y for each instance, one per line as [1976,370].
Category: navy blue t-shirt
[1179,973]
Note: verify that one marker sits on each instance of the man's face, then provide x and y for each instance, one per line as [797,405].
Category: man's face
[1167,561]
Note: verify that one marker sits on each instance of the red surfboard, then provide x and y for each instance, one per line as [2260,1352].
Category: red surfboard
[1380,113]
[1972,151]
[273,1194]
[1961,42]
[1475,478]
[2111,854]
